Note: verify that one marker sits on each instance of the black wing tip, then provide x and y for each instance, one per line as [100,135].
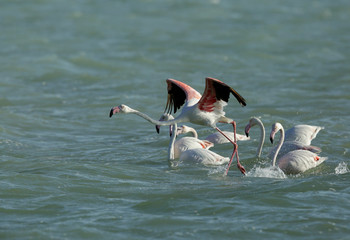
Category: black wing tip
[223,91]
[239,98]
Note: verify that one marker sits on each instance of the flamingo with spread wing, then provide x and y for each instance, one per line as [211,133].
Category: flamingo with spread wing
[204,110]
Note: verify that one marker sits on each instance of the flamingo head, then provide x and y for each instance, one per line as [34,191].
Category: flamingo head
[165,117]
[252,122]
[120,109]
[247,129]
[275,128]
[182,130]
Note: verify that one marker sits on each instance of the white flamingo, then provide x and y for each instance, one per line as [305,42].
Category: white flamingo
[204,110]
[200,155]
[216,138]
[296,161]
[294,134]
[185,143]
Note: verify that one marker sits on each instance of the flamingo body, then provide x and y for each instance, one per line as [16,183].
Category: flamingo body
[199,155]
[204,110]
[296,161]
[185,143]
[203,156]
[299,161]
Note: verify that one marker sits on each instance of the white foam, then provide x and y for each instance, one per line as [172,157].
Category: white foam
[266,172]
[342,168]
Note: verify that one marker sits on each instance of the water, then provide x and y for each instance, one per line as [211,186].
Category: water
[68,171]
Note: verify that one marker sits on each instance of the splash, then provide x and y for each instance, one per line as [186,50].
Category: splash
[266,172]
[342,168]
[256,171]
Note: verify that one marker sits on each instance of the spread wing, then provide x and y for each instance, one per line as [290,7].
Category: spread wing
[215,90]
[178,94]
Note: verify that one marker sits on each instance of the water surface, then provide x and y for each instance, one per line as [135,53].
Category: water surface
[68,171]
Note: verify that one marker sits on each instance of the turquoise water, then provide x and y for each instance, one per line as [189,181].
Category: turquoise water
[68,171]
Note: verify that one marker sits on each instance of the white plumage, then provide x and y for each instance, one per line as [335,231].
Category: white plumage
[296,161]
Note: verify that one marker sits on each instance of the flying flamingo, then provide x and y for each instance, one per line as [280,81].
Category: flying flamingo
[204,110]
[216,138]
[184,143]
[292,134]
[296,161]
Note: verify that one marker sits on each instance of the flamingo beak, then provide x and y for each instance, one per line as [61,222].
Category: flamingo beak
[246,130]
[158,128]
[272,136]
[114,111]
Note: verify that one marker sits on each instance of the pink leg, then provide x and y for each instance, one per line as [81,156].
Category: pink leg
[232,156]
[239,165]
[235,150]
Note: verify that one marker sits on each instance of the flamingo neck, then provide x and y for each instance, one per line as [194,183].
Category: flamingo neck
[171,152]
[280,143]
[262,138]
[156,122]
[194,132]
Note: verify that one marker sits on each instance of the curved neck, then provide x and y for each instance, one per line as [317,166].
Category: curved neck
[194,132]
[262,138]
[171,153]
[280,143]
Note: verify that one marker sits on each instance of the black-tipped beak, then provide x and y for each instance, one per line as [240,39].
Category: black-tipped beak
[111,113]
[271,139]
[246,130]
[158,128]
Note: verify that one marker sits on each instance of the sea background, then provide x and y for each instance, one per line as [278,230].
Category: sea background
[68,171]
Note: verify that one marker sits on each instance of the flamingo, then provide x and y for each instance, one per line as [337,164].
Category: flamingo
[296,161]
[215,138]
[185,143]
[202,155]
[291,144]
[204,110]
